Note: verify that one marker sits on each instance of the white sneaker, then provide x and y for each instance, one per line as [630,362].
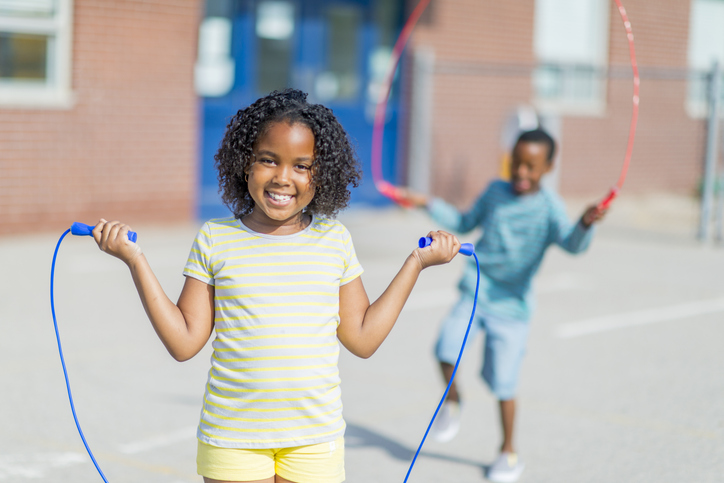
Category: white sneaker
[507,468]
[447,422]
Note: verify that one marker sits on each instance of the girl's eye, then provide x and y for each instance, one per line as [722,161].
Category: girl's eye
[303,167]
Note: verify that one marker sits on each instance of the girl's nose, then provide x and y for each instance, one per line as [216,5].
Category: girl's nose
[282,174]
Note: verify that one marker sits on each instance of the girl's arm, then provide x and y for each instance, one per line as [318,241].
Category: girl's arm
[184,327]
[364,326]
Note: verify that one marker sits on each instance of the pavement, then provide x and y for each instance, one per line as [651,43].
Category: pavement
[623,378]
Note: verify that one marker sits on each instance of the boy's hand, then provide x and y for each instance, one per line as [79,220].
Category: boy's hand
[443,248]
[112,238]
[416,199]
[593,214]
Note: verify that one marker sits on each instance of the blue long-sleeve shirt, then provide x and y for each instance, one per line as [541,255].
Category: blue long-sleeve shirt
[517,230]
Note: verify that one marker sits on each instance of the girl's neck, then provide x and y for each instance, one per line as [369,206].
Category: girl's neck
[268,226]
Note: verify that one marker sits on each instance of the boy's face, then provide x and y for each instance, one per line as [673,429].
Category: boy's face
[529,164]
[280,178]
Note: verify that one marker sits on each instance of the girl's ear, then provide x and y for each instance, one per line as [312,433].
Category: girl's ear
[247,170]
[249,164]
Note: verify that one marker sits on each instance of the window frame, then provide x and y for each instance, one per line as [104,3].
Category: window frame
[56,91]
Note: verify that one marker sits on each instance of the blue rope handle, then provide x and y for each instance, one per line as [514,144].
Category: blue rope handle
[62,360]
[455,369]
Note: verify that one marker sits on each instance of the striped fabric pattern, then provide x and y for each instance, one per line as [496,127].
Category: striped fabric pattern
[516,232]
[274,380]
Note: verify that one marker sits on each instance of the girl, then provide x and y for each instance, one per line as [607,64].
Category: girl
[280,283]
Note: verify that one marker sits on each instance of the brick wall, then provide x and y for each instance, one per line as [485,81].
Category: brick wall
[669,148]
[470,106]
[127,149]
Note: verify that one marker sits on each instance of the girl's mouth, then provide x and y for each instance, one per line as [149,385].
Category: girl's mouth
[278,198]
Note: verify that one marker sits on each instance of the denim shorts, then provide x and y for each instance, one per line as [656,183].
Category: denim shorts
[505,343]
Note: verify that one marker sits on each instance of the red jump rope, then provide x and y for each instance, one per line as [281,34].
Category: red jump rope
[393,192]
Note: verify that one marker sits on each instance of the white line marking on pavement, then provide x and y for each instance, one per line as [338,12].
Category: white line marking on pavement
[35,466]
[639,317]
[159,441]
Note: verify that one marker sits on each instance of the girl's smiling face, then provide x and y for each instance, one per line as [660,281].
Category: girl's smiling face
[280,179]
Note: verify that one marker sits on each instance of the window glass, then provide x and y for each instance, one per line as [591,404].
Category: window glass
[274,31]
[386,16]
[571,47]
[341,79]
[23,57]
[214,69]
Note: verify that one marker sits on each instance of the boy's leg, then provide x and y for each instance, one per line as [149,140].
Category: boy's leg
[505,343]
[507,419]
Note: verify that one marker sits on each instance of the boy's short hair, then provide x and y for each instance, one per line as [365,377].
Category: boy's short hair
[539,136]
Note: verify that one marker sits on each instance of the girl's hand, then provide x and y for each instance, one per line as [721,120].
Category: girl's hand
[112,238]
[593,214]
[443,248]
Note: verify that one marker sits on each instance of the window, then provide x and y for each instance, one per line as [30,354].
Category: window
[706,45]
[214,69]
[341,79]
[274,31]
[35,53]
[571,47]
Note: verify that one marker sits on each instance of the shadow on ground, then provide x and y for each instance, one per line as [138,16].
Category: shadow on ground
[360,437]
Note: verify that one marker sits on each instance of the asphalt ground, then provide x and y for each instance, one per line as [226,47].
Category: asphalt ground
[623,379]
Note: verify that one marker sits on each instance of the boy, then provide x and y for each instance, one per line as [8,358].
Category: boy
[519,220]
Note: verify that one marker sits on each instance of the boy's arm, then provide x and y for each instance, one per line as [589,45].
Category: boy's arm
[445,213]
[185,327]
[577,238]
[364,326]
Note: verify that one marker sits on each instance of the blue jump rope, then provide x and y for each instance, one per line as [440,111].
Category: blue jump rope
[466,249]
[75,229]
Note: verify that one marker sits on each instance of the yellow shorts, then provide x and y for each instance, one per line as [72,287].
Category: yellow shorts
[317,463]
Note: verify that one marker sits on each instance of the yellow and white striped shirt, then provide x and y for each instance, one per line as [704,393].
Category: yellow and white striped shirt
[274,380]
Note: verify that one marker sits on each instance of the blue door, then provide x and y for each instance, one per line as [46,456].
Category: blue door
[337,51]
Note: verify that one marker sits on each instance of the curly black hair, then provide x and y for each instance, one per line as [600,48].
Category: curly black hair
[335,164]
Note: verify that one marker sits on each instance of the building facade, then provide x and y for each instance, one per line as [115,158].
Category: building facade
[98,114]
[114,108]
[567,62]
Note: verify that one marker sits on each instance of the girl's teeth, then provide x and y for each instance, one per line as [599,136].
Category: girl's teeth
[277,197]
